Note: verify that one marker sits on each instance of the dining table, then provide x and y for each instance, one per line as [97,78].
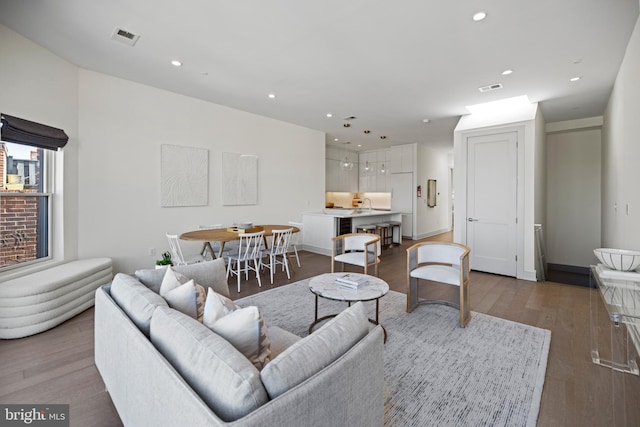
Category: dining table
[223,235]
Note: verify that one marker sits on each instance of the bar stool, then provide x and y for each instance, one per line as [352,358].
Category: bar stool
[383,229]
[396,225]
[369,228]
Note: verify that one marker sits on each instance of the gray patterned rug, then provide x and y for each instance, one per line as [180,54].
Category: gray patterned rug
[490,373]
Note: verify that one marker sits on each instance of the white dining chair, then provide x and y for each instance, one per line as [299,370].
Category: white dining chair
[296,239]
[177,256]
[279,248]
[249,250]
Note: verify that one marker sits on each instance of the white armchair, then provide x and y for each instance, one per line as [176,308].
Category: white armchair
[362,249]
[439,262]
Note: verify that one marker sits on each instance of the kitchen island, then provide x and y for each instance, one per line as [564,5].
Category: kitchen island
[321,227]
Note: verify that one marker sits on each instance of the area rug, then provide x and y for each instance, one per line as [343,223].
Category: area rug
[490,373]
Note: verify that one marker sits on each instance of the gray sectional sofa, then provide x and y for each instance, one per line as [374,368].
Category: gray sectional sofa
[164,368]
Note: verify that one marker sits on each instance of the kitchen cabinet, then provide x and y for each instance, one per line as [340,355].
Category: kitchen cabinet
[374,180]
[401,158]
[337,178]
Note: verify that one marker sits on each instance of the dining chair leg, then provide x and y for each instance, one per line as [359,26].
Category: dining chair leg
[295,249]
[255,262]
[272,265]
[285,265]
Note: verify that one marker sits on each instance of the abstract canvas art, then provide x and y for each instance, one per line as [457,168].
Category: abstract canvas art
[184,175]
[239,179]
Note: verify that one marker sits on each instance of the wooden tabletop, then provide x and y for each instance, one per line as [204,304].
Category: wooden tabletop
[222,235]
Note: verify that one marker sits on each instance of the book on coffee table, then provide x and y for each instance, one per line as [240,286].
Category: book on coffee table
[351,281]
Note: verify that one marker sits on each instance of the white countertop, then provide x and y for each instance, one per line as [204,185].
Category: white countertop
[352,213]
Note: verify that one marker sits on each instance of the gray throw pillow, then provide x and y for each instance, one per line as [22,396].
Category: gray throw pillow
[209,274]
[315,352]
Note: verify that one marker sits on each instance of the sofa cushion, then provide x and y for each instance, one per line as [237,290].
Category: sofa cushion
[136,300]
[223,378]
[313,353]
[183,294]
[244,327]
[280,340]
[208,274]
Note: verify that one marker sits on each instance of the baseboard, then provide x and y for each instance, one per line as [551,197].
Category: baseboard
[431,233]
[569,274]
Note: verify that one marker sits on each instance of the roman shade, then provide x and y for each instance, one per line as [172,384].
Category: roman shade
[21,131]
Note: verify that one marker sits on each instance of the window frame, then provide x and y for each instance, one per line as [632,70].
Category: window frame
[47,177]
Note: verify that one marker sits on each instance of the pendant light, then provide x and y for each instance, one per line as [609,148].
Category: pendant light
[367,168]
[346,164]
[383,170]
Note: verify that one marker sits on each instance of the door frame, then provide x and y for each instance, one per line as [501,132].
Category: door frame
[460,177]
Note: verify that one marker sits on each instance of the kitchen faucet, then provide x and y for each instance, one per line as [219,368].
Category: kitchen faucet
[364,200]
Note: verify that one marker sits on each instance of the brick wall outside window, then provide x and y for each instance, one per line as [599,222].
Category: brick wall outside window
[18,221]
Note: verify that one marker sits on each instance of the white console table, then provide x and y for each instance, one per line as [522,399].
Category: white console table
[620,294]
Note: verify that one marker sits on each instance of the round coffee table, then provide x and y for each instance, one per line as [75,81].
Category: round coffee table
[325,286]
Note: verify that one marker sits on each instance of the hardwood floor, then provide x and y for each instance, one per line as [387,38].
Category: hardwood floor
[57,366]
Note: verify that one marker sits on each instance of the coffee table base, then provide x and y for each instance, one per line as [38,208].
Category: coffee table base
[329,316]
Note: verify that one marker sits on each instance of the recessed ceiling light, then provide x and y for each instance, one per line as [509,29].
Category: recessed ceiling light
[272,95]
[176,63]
[336,139]
[479,16]
[575,79]
[329,115]
[507,72]
[425,120]
[359,145]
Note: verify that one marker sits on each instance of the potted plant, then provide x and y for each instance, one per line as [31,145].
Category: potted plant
[166,260]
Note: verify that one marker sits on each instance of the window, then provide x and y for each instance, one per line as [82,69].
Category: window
[25,205]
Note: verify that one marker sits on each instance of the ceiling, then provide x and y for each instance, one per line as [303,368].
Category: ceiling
[389,64]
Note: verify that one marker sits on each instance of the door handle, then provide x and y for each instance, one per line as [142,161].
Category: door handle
[472,219]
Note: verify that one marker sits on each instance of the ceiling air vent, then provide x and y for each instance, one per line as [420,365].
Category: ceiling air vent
[124,36]
[490,87]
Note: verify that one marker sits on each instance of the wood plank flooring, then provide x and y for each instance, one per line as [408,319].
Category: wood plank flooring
[57,366]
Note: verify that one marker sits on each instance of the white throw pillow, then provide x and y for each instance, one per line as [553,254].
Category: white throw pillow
[244,327]
[183,294]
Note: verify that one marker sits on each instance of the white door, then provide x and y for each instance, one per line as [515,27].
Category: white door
[492,202]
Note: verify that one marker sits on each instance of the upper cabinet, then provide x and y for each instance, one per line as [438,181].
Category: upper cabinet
[401,158]
[374,171]
[338,178]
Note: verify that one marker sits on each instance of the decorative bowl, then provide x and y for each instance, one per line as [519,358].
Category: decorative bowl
[618,259]
[244,225]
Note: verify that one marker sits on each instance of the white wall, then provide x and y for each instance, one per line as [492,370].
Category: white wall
[123,124]
[39,86]
[620,154]
[573,196]
[112,161]
[432,164]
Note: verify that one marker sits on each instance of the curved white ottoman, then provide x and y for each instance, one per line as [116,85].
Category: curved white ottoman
[39,301]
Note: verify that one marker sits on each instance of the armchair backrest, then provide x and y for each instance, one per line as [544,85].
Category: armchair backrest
[357,242]
[454,254]
[440,252]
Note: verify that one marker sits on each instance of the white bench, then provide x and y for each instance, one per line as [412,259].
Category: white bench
[39,301]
